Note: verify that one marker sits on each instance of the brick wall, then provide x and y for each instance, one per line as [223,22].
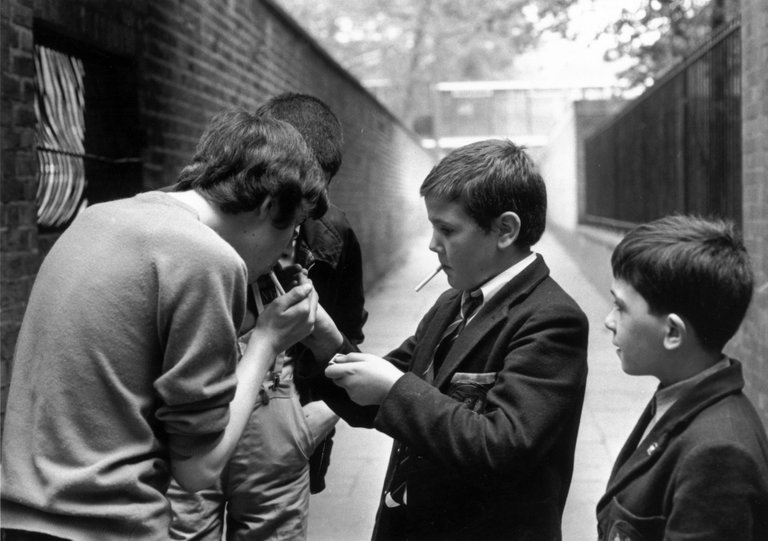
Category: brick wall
[193,59]
[751,343]
[19,258]
[201,57]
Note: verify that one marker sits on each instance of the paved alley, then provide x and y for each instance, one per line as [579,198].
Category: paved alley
[345,511]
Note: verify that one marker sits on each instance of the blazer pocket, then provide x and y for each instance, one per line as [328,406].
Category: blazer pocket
[620,524]
[471,388]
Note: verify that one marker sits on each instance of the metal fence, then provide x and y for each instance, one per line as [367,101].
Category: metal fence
[677,148]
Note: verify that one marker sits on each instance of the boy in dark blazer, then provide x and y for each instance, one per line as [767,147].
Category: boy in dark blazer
[485,424]
[696,464]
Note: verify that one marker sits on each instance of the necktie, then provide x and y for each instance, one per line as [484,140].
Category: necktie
[470,302]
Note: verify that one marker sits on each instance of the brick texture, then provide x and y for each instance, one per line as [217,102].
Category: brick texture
[19,258]
[193,59]
[751,343]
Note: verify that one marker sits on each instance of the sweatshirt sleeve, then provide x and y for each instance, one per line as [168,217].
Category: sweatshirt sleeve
[201,304]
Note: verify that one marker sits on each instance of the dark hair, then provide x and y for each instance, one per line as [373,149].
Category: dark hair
[242,158]
[489,178]
[696,268]
[315,121]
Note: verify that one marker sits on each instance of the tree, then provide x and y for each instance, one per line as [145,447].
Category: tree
[663,32]
[399,48]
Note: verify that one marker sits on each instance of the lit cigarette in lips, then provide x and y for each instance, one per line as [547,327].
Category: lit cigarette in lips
[426,280]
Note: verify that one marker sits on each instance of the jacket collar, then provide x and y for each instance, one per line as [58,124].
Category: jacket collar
[636,456]
[319,241]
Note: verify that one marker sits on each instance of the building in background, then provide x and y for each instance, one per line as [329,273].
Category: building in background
[467,111]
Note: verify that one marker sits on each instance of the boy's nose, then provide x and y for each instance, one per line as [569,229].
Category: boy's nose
[608,322]
[433,244]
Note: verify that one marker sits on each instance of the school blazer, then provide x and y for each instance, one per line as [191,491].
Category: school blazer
[701,473]
[491,440]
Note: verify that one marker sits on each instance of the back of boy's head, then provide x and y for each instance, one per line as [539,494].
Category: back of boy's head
[489,178]
[698,269]
[242,158]
[315,121]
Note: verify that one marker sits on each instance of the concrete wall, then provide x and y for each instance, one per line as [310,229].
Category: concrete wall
[562,160]
[558,166]
[193,59]
[751,343]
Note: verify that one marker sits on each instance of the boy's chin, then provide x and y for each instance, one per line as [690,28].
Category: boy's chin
[631,370]
[458,282]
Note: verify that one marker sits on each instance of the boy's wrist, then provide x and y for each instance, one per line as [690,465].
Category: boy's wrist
[262,345]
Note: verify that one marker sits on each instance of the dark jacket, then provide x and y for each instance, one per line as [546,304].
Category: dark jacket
[329,248]
[491,441]
[701,473]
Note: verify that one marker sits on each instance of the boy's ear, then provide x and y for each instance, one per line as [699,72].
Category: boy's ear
[676,332]
[266,207]
[508,226]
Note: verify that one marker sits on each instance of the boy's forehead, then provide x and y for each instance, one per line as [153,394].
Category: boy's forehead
[618,286]
[445,209]
[626,292]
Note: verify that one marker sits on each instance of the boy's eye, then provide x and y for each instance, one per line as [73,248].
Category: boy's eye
[445,230]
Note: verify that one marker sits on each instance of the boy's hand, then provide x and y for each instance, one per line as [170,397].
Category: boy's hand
[288,318]
[366,378]
[326,338]
[291,275]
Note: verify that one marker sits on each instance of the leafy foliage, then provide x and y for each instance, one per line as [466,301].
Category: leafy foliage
[398,48]
[663,32]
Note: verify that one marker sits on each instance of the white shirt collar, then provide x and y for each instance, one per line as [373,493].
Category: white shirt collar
[492,286]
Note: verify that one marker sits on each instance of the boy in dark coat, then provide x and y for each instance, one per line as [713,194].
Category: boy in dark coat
[696,464]
[484,420]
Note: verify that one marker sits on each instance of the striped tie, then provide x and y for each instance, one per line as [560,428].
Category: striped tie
[470,302]
[396,493]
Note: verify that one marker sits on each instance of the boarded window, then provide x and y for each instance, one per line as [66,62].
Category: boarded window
[59,106]
[88,138]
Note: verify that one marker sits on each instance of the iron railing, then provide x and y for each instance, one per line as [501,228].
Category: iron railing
[675,149]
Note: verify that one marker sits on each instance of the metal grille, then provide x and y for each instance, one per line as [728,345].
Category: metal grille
[677,148]
[60,110]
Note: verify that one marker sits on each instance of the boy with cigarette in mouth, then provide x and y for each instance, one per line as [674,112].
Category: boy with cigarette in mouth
[484,400]
[696,464]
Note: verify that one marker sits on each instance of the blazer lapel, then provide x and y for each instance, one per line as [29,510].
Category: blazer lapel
[632,459]
[492,313]
[637,455]
[481,325]
[444,316]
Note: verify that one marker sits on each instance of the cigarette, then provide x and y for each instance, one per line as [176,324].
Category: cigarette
[426,280]
[278,287]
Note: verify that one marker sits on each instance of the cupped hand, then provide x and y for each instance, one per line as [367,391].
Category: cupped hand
[289,318]
[291,275]
[366,378]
